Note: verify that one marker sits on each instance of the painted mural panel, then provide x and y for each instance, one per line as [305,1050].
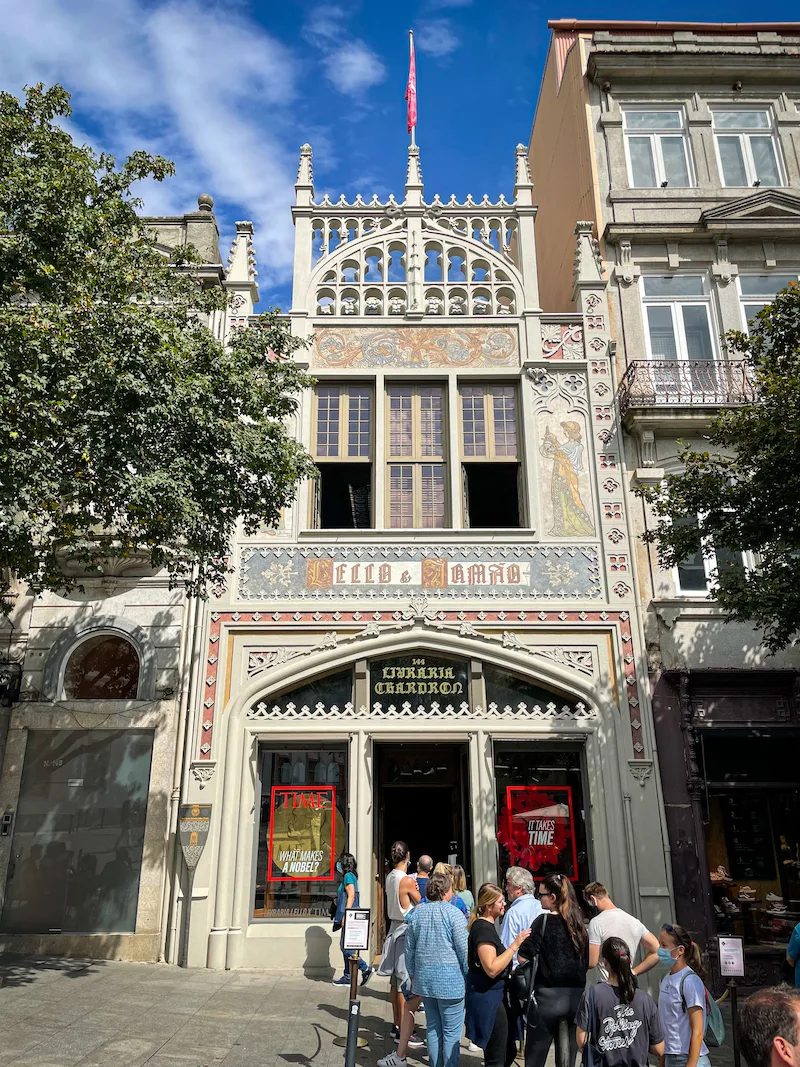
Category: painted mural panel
[368,572]
[567,509]
[421,347]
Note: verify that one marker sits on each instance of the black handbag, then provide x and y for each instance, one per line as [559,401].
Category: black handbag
[523,989]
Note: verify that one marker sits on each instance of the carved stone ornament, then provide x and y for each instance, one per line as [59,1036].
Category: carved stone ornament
[641,769]
[372,305]
[396,305]
[203,772]
[433,305]
[723,270]
[456,306]
[326,309]
[625,271]
[349,306]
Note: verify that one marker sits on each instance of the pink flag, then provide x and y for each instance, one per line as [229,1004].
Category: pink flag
[411,87]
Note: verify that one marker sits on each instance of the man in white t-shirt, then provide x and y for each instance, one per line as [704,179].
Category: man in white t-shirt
[612,921]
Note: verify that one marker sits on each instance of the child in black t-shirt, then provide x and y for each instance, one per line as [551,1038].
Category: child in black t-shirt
[620,1021]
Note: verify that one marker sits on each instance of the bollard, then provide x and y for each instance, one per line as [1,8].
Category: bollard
[737,1058]
[353,1015]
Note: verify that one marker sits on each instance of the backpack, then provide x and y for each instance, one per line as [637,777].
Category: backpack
[715,1026]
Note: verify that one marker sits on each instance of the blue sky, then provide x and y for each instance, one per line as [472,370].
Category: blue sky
[230,91]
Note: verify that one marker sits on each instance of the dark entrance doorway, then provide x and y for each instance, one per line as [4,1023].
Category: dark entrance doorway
[422,798]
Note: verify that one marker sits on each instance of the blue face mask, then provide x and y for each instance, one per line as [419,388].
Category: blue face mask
[665,957]
[338,867]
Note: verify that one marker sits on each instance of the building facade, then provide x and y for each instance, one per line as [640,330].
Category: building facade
[91,739]
[684,150]
[440,641]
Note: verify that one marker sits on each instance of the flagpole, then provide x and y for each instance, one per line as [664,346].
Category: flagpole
[410,56]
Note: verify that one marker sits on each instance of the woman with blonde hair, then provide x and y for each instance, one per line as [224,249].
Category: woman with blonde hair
[448,872]
[489,961]
[559,939]
[460,886]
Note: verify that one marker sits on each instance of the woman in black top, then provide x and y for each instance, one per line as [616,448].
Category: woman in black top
[560,941]
[489,965]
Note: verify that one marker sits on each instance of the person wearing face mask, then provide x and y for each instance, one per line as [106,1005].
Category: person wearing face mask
[489,1023]
[682,999]
[348,898]
[769,1028]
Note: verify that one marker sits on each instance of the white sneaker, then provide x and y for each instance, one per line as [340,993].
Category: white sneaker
[392,1060]
[773,898]
[472,1047]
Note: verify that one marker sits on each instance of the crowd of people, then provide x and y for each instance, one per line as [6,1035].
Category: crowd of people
[514,973]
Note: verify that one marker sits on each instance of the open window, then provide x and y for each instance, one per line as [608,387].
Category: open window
[343,452]
[490,466]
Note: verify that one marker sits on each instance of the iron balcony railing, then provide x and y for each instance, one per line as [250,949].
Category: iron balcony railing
[688,383]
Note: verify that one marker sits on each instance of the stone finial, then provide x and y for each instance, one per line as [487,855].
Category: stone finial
[241,274]
[205,203]
[523,183]
[304,186]
[588,264]
[414,176]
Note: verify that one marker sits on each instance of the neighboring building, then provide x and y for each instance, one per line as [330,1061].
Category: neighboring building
[444,624]
[91,749]
[681,144]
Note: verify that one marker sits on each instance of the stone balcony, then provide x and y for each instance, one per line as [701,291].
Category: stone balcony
[681,395]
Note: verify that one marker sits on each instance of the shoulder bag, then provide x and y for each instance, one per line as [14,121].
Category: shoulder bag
[522,985]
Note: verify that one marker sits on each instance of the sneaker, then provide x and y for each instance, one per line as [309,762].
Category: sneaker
[729,907]
[344,980]
[392,1060]
[472,1047]
[415,1041]
[773,898]
[366,975]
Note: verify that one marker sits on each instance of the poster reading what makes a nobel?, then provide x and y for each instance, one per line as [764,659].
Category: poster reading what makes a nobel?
[302,833]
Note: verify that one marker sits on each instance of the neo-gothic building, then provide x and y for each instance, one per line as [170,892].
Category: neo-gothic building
[681,142]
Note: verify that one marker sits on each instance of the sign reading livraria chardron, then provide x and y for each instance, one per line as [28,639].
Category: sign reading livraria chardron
[419,679]
[555,572]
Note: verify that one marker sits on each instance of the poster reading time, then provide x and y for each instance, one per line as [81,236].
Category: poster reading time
[537,827]
[302,833]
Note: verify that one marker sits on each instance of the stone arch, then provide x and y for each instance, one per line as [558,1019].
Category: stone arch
[94,626]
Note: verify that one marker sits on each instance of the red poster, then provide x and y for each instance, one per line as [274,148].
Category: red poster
[302,833]
[537,827]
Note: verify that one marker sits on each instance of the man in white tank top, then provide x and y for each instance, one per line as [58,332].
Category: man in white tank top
[401,896]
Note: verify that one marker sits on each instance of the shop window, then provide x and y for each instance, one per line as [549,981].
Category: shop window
[342,497]
[79,832]
[541,822]
[302,829]
[105,667]
[752,801]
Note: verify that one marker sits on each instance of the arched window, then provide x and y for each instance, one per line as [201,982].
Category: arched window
[103,667]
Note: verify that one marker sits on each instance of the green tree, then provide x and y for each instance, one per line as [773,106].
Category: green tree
[126,429]
[745,489]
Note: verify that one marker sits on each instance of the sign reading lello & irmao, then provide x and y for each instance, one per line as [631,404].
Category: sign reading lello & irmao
[537,828]
[302,833]
[547,571]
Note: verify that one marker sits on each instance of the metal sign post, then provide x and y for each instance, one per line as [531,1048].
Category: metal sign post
[355,937]
[193,825]
[731,966]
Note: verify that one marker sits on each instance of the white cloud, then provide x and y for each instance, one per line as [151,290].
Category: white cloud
[202,85]
[436,37]
[349,64]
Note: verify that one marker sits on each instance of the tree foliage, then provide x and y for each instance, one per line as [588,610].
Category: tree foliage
[746,487]
[126,427]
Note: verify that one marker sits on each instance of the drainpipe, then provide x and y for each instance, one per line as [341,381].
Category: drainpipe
[189,654]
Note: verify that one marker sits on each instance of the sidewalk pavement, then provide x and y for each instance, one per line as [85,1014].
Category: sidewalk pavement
[89,1013]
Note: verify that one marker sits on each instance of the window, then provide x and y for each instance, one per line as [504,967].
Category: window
[343,451]
[655,146]
[79,832]
[758,290]
[678,319]
[489,454]
[696,574]
[302,830]
[105,667]
[417,496]
[748,154]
